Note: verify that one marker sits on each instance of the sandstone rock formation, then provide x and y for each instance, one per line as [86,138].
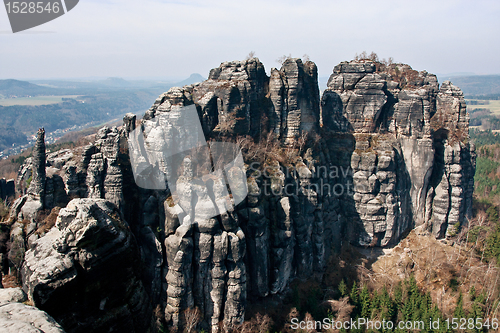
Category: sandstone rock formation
[16,317]
[7,188]
[35,197]
[412,164]
[294,93]
[384,149]
[85,271]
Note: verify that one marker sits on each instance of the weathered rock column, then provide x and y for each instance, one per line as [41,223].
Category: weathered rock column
[36,189]
[294,94]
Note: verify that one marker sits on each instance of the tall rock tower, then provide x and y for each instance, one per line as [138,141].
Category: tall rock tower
[36,189]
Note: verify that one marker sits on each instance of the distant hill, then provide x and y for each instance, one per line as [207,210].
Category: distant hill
[116,82]
[476,84]
[15,88]
[83,87]
[448,75]
[194,78]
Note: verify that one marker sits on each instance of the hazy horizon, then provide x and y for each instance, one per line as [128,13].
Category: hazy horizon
[170,39]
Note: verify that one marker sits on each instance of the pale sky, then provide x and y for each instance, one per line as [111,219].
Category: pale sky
[154,38]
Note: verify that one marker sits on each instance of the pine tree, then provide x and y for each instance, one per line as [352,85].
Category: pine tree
[354,294]
[435,315]
[354,297]
[476,312]
[343,288]
[482,298]
[472,293]
[364,299]
[375,304]
[414,300]
[426,308]
[386,305]
[407,305]
[459,309]
[413,288]
[398,293]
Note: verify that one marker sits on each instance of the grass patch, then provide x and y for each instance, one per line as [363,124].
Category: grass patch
[493,106]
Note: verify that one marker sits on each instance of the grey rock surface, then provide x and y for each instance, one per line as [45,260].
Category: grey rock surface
[37,185]
[21,318]
[36,190]
[385,149]
[402,118]
[294,93]
[12,295]
[16,317]
[90,245]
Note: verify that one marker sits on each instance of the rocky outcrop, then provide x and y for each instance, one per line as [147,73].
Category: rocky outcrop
[85,271]
[232,100]
[7,188]
[294,93]
[37,185]
[12,295]
[383,150]
[17,317]
[206,257]
[35,197]
[403,119]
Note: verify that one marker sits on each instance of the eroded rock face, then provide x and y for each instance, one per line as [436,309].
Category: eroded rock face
[85,271]
[411,139]
[209,261]
[383,151]
[7,188]
[16,317]
[232,100]
[295,96]
[37,185]
[12,295]
[35,200]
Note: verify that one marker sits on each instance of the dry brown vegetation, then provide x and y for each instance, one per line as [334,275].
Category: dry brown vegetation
[4,210]
[444,269]
[47,220]
[10,281]
[401,73]
[270,149]
[364,56]
[441,269]
[257,324]
[191,318]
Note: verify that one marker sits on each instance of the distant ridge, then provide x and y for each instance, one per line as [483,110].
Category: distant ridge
[193,78]
[15,88]
[475,84]
[447,75]
[115,82]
